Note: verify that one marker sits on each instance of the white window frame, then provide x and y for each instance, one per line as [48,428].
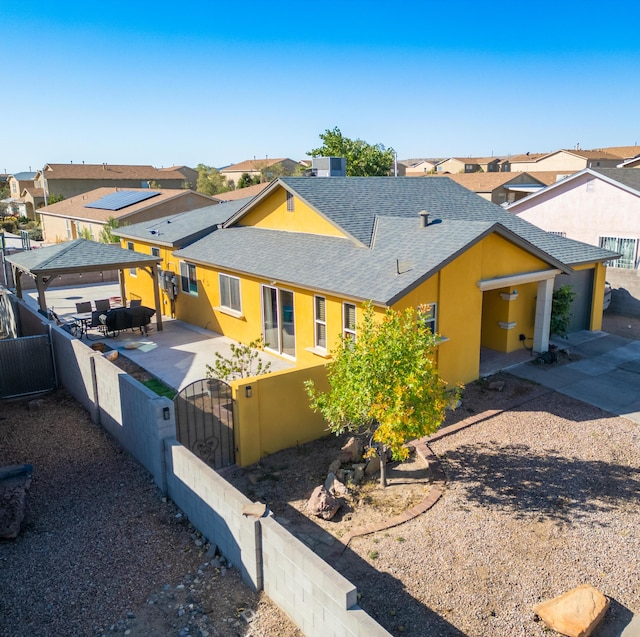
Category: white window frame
[186,270]
[616,245]
[349,332]
[319,323]
[224,283]
[155,252]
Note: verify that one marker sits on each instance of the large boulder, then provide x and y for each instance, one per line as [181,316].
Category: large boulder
[322,504]
[335,487]
[575,613]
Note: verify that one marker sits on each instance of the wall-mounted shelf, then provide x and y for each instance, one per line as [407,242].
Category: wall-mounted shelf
[509,296]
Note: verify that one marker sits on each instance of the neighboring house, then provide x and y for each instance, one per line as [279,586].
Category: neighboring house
[420,167]
[297,263]
[499,188]
[625,153]
[17,205]
[454,165]
[163,236]
[85,215]
[69,180]
[240,193]
[634,162]
[569,161]
[600,207]
[267,169]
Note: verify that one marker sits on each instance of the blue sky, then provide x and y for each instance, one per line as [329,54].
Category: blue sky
[186,83]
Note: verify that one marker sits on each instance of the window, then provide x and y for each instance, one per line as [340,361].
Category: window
[627,247]
[155,252]
[320,318]
[429,316]
[289,202]
[132,271]
[69,231]
[188,278]
[349,321]
[591,185]
[230,292]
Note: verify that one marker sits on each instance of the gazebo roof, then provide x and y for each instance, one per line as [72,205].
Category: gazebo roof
[79,255]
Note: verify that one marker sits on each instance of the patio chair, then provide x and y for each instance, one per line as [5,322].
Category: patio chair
[83,307]
[103,305]
[135,303]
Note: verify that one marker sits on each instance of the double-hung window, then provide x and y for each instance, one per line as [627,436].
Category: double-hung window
[349,321]
[320,318]
[188,278]
[230,292]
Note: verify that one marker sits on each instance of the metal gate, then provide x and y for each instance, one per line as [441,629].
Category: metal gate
[26,366]
[204,421]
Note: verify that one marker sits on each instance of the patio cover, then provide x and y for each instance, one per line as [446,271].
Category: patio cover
[80,256]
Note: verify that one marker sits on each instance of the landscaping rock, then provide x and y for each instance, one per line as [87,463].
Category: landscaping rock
[352,450]
[335,487]
[358,473]
[14,483]
[322,504]
[334,466]
[496,385]
[575,613]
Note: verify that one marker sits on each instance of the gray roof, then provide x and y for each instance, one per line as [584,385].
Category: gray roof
[629,177]
[24,176]
[180,229]
[353,203]
[79,255]
[391,252]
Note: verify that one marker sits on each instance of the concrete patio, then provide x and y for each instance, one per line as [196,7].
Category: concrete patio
[177,355]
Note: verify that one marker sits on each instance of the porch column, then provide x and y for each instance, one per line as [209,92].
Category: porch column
[543,315]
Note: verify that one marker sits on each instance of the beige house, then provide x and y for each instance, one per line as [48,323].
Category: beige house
[85,215]
[420,167]
[69,180]
[569,161]
[499,188]
[240,193]
[455,165]
[267,169]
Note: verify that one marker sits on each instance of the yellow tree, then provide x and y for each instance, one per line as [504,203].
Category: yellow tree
[385,383]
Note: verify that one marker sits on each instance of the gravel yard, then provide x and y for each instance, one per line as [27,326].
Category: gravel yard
[100,552]
[539,499]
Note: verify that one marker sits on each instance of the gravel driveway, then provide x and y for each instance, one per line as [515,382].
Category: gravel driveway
[100,551]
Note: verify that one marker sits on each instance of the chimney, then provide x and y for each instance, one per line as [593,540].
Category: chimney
[424,218]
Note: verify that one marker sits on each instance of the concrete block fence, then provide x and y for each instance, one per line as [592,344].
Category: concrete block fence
[316,597]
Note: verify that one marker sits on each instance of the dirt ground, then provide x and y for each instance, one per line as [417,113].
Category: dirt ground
[627,326]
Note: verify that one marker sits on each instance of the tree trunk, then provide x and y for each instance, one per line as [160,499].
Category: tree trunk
[382,452]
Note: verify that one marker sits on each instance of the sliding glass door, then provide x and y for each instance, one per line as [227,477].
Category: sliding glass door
[278,321]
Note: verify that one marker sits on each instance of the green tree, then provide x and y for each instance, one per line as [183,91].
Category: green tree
[54,198]
[363,160]
[210,181]
[385,383]
[107,234]
[247,180]
[244,362]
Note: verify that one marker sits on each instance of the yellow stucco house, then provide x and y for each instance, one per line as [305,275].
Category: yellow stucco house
[295,265]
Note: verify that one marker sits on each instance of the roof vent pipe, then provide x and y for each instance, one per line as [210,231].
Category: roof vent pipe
[424,218]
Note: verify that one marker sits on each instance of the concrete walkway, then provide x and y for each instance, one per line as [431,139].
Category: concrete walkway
[606,372]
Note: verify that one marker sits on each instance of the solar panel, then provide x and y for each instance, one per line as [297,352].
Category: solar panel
[122,199]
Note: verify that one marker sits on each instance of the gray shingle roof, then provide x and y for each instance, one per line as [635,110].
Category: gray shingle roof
[180,229]
[392,253]
[80,255]
[629,177]
[353,203]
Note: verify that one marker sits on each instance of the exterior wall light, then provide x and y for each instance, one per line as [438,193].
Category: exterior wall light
[248,391]
[166,413]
